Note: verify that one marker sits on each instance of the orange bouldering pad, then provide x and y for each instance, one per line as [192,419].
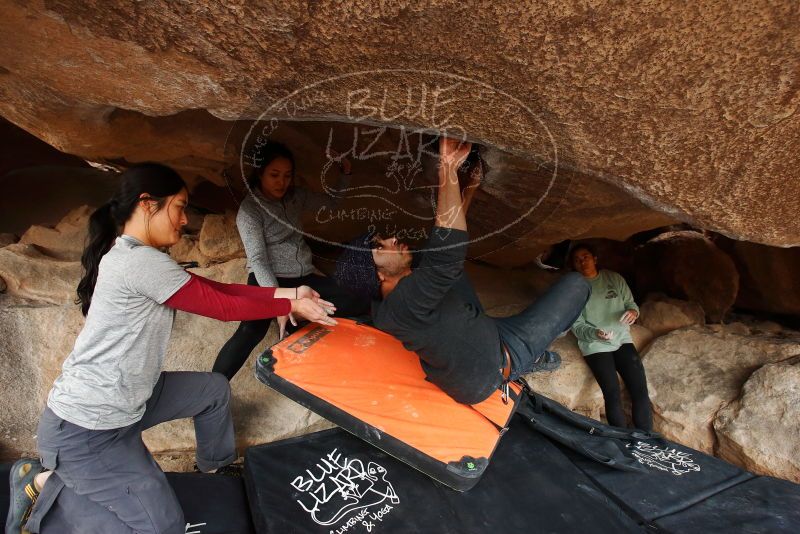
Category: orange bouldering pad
[366,382]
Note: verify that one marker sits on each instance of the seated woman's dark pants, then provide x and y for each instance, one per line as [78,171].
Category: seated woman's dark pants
[250,333]
[626,361]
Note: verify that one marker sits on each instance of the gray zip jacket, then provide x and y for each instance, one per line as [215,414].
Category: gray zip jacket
[270,232]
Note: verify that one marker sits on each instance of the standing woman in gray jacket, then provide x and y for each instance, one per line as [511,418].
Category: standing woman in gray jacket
[269,221]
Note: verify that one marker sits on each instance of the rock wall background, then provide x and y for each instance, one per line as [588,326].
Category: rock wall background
[653,114]
[727,389]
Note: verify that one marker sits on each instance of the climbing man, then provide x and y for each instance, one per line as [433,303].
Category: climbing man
[434,311]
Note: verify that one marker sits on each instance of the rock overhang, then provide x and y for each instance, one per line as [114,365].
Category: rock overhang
[690,111]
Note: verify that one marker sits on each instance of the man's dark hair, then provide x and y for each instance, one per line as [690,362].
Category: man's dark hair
[356,269]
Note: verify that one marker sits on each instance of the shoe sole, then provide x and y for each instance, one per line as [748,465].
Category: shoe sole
[17,483]
[549,366]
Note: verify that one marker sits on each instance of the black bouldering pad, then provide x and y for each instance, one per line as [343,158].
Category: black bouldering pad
[5,490]
[331,483]
[763,505]
[666,486]
[212,504]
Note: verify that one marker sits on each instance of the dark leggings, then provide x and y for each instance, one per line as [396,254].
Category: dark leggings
[250,333]
[626,361]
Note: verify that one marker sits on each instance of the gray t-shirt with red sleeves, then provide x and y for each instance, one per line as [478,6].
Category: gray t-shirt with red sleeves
[117,359]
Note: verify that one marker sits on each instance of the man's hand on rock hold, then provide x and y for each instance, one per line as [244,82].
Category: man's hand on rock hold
[453,153]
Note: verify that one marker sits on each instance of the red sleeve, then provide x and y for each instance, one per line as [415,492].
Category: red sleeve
[236,289]
[227,302]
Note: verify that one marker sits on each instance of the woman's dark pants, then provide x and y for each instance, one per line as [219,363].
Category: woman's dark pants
[626,361]
[106,481]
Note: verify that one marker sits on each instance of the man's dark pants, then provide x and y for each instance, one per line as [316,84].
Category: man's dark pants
[528,334]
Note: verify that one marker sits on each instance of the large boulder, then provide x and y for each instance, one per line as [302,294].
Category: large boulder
[504,292]
[219,239]
[7,238]
[66,240]
[761,429]
[29,274]
[642,336]
[43,266]
[610,91]
[187,249]
[35,341]
[769,277]
[582,208]
[662,314]
[694,372]
[687,265]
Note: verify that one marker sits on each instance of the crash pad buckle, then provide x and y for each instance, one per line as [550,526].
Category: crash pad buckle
[505,389]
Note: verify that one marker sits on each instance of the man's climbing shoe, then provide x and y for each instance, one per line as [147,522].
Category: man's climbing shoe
[230,470]
[547,361]
[23,494]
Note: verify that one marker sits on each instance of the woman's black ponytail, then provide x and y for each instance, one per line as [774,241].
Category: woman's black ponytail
[102,233]
[157,182]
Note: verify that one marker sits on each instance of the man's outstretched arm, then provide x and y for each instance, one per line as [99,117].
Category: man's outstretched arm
[450,212]
[443,263]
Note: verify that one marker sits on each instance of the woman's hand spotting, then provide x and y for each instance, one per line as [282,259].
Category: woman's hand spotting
[317,310]
[306,292]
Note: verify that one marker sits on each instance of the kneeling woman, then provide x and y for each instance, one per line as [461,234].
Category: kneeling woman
[100,476]
[604,338]
[269,223]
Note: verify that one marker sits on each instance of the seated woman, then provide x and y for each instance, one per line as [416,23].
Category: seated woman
[100,477]
[277,255]
[604,338]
